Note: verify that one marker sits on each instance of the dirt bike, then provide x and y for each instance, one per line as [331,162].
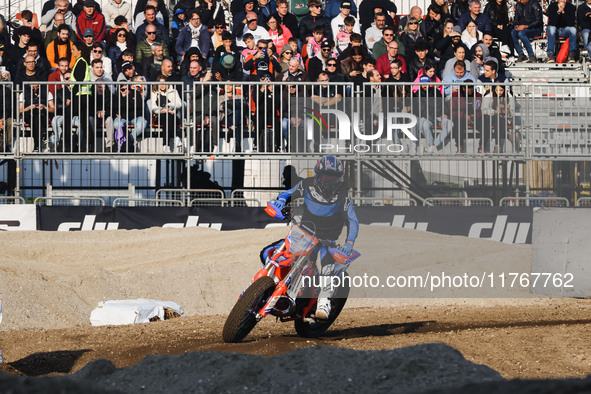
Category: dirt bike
[279,287]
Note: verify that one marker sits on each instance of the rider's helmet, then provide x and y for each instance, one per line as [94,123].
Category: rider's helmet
[328,175]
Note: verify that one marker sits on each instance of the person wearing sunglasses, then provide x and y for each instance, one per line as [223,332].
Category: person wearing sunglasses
[264,61]
[317,64]
[119,41]
[195,34]
[314,18]
[410,36]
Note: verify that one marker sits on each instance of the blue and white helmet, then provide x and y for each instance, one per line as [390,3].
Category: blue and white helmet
[329,173]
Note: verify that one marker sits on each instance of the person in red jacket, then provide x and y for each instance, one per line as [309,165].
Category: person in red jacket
[383,63]
[91,19]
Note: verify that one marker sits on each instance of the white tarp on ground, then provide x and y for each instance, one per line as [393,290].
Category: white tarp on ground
[118,312]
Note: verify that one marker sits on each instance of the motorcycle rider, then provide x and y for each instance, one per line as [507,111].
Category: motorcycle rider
[328,206]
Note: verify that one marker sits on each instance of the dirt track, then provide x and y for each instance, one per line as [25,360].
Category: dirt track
[547,340]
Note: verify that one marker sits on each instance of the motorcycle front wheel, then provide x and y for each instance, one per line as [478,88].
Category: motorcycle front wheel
[242,318]
[319,327]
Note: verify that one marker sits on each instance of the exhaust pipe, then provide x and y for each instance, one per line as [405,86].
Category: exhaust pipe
[284,306]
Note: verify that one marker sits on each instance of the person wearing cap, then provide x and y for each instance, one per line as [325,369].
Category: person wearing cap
[335,7]
[150,19]
[89,38]
[114,8]
[337,22]
[226,60]
[447,46]
[317,64]
[194,35]
[91,19]
[179,21]
[286,18]
[314,18]
[127,72]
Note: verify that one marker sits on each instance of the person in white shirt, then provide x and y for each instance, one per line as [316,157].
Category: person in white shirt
[338,22]
[374,33]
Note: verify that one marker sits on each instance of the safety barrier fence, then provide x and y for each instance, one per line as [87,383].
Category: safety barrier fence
[278,119]
[534,201]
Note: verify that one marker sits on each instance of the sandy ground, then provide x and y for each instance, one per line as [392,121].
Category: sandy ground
[49,283]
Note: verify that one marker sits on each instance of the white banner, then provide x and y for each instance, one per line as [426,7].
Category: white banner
[18,217]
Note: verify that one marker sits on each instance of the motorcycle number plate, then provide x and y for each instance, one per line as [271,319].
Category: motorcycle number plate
[300,241]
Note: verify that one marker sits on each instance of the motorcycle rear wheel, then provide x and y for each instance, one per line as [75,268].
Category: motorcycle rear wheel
[242,318]
[319,327]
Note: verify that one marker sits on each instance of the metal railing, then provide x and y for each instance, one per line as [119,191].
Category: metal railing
[6,200]
[534,201]
[583,202]
[69,201]
[186,196]
[146,202]
[458,202]
[384,201]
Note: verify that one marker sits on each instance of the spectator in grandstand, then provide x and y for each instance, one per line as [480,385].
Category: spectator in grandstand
[193,54]
[367,10]
[97,72]
[351,66]
[52,8]
[194,35]
[493,48]
[103,120]
[168,70]
[498,13]
[114,8]
[374,33]
[27,21]
[234,117]
[343,37]
[459,54]
[252,27]
[447,46]
[432,26]
[60,47]
[242,18]
[267,121]
[165,107]
[216,38]
[498,106]
[482,21]
[410,37]
[314,44]
[294,73]
[396,75]
[280,35]
[285,57]
[490,74]
[160,8]
[584,22]
[333,9]
[429,70]
[333,72]
[151,65]
[5,64]
[561,23]
[59,75]
[126,56]
[471,35]
[418,61]
[318,62]
[226,60]
[121,23]
[89,38]
[91,19]
[98,52]
[458,8]
[383,63]
[35,104]
[445,9]
[285,18]
[127,72]
[266,9]
[367,66]
[458,76]
[314,18]
[19,50]
[212,12]
[196,73]
[337,23]
[381,47]
[465,114]
[477,65]
[63,110]
[264,61]
[145,47]
[161,31]
[427,107]
[78,8]
[356,41]
[37,70]
[6,114]
[527,24]
[128,108]
[179,21]
[4,36]
[415,12]
[53,29]
[119,42]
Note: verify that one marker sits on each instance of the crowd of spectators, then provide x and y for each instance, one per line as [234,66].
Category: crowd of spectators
[263,40]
